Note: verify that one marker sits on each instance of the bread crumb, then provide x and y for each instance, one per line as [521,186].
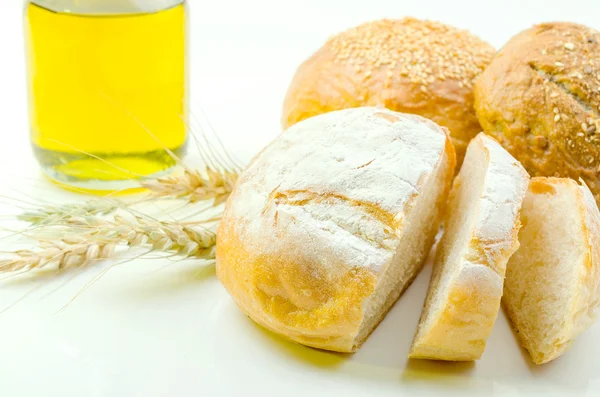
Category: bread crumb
[541,142]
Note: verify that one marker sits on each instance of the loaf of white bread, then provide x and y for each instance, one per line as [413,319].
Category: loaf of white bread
[552,287]
[332,221]
[480,234]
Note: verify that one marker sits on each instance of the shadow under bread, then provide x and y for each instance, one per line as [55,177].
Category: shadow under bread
[566,371]
[451,372]
[315,357]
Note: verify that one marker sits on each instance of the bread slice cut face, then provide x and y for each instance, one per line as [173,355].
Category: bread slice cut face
[480,234]
[332,221]
[552,287]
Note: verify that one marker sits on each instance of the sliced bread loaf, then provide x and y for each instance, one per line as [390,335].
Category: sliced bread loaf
[481,228]
[332,221]
[551,292]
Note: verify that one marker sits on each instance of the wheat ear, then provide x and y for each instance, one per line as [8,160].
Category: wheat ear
[195,185]
[53,214]
[86,239]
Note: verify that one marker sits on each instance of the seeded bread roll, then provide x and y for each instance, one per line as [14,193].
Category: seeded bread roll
[332,221]
[408,65]
[540,99]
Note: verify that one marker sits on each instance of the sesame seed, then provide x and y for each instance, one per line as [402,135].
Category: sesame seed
[559,64]
[423,51]
[557,118]
[580,134]
[569,46]
[584,126]
[554,95]
[555,110]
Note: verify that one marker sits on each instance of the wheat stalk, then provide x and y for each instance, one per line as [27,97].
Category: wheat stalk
[52,214]
[64,253]
[82,240]
[195,185]
[75,235]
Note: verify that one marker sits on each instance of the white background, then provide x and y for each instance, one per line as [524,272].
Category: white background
[146,330]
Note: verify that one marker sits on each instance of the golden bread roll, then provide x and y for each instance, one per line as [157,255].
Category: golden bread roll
[540,98]
[552,286]
[407,65]
[332,221]
[480,235]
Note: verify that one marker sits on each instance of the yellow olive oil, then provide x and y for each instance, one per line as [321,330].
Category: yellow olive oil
[107,93]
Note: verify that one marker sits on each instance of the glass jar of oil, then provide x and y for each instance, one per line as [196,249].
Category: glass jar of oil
[107,88]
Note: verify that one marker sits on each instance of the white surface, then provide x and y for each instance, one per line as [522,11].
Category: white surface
[147,330]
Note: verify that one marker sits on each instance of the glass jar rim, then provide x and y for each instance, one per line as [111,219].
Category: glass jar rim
[106,7]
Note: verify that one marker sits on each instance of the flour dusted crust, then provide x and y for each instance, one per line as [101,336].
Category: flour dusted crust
[466,286]
[315,219]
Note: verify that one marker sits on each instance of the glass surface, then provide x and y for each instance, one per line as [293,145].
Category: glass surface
[107,85]
[107,6]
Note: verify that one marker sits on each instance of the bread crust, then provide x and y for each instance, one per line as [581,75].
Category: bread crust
[540,99]
[469,303]
[584,303]
[336,78]
[285,274]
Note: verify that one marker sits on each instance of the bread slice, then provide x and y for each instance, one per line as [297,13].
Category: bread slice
[480,235]
[552,287]
[332,221]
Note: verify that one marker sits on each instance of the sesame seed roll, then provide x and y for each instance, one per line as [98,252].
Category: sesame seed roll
[407,65]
